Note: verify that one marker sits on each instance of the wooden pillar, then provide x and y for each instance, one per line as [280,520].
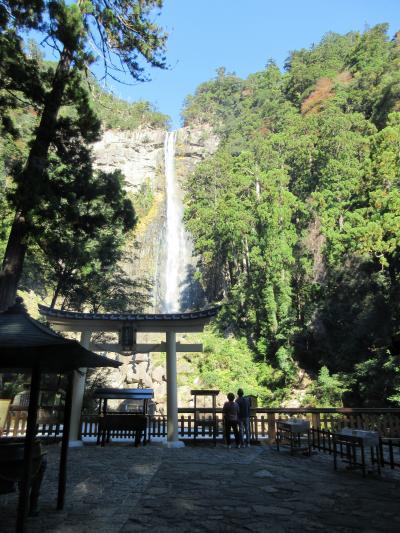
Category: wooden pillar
[172,393]
[23,502]
[62,476]
[78,390]
[271,428]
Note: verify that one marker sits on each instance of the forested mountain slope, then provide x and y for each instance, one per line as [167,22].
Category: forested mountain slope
[297,216]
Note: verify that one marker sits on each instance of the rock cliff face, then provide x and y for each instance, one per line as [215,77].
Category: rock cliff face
[140,156]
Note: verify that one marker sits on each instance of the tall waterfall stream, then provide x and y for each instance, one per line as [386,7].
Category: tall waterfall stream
[178,243]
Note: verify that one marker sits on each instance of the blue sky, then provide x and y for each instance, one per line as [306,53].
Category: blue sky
[243,36]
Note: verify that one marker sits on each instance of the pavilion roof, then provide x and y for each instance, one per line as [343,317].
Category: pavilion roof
[24,343]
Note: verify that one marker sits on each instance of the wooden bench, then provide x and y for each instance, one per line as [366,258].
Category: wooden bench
[122,422]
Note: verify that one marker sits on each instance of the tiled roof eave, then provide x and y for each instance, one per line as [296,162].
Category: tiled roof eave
[128,317]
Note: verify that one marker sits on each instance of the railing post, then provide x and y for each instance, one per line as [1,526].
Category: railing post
[316,420]
[7,425]
[16,424]
[271,428]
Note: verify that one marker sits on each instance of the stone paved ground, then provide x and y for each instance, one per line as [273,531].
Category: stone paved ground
[199,489]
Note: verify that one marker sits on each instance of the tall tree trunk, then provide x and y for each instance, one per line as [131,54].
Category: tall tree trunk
[13,261]
[31,184]
[55,295]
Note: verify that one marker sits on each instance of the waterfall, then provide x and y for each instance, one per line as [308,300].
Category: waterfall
[176,239]
[181,290]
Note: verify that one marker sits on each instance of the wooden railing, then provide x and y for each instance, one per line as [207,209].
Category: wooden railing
[48,422]
[262,422]
[323,422]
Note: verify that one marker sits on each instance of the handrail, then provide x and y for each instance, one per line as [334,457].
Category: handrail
[290,410]
[343,410]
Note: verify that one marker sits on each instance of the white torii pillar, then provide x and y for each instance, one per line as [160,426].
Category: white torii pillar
[78,390]
[172,393]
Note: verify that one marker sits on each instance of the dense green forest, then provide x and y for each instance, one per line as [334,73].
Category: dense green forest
[296,218]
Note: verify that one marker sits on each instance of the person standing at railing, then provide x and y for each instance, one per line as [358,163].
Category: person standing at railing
[231,414]
[244,417]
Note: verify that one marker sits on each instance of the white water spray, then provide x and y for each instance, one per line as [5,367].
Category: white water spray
[177,246]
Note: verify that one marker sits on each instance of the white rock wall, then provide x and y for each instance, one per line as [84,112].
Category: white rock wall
[138,154]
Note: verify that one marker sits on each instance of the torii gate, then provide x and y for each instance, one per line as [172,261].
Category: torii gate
[127,325]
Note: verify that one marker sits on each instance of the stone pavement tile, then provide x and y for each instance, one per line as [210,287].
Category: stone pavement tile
[270,526]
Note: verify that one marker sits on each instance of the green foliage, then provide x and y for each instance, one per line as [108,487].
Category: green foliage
[371,61]
[296,217]
[378,376]
[143,198]
[326,59]
[102,288]
[85,236]
[227,364]
[12,384]
[119,114]
[327,390]
[213,100]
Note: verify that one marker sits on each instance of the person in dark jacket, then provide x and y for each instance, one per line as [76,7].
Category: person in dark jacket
[244,417]
[231,412]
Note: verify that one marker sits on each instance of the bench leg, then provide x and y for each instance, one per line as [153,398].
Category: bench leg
[138,435]
[363,459]
[334,455]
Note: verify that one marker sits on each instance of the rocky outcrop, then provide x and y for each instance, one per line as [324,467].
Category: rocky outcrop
[138,154]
